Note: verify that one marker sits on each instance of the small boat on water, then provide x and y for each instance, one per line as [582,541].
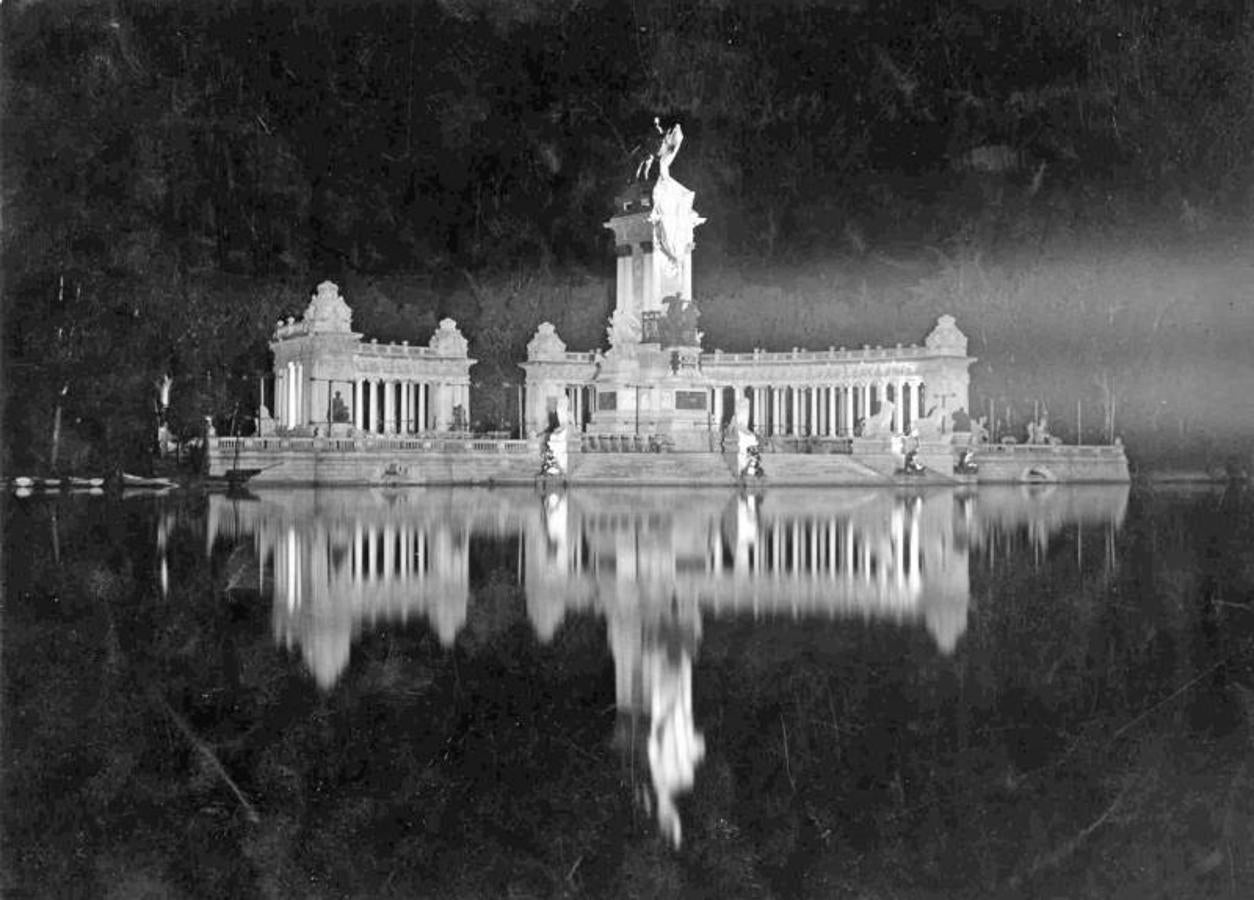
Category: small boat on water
[141,481]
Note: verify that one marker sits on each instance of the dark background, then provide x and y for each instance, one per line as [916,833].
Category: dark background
[1072,180]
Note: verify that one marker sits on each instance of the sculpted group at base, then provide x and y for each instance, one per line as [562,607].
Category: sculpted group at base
[653,406]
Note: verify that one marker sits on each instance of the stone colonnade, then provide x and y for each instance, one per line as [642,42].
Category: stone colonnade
[831,410]
[372,405]
[325,375]
[801,410]
[403,406]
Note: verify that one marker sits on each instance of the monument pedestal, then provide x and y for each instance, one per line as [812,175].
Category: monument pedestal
[654,391]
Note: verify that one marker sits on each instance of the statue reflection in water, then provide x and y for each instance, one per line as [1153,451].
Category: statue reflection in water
[654,663]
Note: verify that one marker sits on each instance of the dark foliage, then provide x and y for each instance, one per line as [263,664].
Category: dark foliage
[177,175]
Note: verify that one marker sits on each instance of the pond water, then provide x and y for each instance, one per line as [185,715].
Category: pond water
[1040,691]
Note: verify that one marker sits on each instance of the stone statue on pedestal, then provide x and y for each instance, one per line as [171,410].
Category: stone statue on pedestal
[748,455]
[880,424]
[556,455]
[623,332]
[678,327]
[673,217]
[932,425]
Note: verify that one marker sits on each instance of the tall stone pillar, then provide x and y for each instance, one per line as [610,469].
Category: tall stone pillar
[302,396]
[293,384]
[899,407]
[376,395]
[389,407]
[439,398]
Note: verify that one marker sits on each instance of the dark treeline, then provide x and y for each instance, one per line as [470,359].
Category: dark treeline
[177,176]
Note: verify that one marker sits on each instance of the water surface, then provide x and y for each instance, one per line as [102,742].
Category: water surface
[355,692]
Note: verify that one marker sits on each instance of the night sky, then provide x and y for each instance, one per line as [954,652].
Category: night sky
[1071,179]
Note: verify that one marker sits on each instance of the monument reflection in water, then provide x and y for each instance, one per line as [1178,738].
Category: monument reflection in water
[652,563]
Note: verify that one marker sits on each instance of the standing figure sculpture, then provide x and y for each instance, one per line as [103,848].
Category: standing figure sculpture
[748,454]
[673,217]
[556,455]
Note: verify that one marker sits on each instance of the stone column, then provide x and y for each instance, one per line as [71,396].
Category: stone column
[815,428]
[796,410]
[422,406]
[716,409]
[291,394]
[286,418]
[439,400]
[358,418]
[304,413]
[389,406]
[899,407]
[376,397]
[832,390]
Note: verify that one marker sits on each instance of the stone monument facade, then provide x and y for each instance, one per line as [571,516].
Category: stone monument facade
[656,380]
[329,382]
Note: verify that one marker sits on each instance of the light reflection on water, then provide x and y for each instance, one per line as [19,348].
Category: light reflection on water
[653,564]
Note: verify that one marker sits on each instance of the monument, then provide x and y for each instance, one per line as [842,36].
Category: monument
[652,406]
[656,386]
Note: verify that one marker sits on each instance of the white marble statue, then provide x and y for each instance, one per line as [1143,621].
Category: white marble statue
[623,331]
[932,425]
[673,217]
[748,461]
[880,424]
[556,460]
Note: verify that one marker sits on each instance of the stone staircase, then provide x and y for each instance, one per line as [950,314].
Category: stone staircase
[706,468]
[651,468]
